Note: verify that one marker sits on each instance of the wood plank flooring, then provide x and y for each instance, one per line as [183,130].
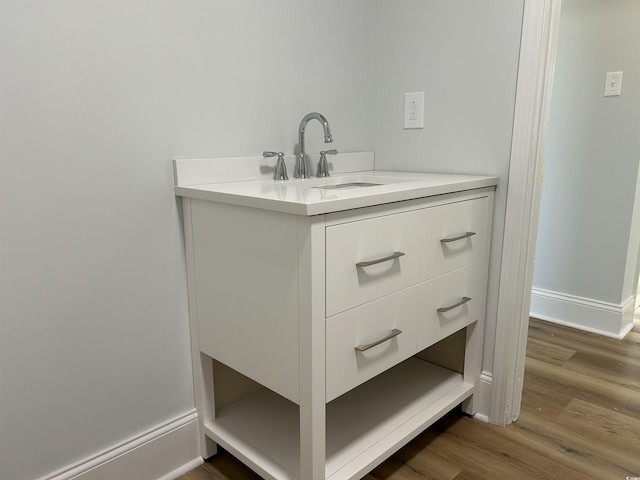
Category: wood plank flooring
[580,420]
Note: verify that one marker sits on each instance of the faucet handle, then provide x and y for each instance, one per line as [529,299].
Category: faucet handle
[323,166]
[281,168]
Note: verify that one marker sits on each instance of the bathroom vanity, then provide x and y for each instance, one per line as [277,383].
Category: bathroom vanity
[333,319]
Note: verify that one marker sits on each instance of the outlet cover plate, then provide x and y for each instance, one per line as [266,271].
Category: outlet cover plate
[613,84]
[413,110]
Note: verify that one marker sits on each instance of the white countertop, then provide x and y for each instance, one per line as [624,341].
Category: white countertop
[299,197]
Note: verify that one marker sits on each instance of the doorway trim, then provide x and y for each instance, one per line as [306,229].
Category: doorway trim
[541,19]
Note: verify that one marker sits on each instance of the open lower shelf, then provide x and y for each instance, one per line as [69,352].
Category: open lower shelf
[363,426]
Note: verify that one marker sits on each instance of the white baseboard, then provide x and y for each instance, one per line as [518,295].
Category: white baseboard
[483,394]
[608,319]
[162,453]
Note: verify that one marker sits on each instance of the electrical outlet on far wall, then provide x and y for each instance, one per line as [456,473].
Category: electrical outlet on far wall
[413,110]
[613,84]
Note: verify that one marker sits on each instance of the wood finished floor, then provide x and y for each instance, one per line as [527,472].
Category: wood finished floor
[580,420]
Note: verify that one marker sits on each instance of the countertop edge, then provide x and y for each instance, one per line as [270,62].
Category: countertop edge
[242,200]
[330,206]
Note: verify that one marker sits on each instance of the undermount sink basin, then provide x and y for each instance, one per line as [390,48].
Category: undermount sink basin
[347,182]
[347,185]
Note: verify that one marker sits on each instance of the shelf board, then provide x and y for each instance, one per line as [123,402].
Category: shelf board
[364,425]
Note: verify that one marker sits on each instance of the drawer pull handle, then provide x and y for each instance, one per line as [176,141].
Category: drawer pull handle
[461,237]
[380,260]
[461,302]
[394,333]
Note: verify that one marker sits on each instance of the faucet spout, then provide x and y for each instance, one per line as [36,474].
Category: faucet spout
[302,166]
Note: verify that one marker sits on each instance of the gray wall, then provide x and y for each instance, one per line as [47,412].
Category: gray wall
[586,244]
[464,56]
[96,98]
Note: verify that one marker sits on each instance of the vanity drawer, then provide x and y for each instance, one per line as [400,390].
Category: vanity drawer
[353,354]
[371,258]
[449,303]
[453,236]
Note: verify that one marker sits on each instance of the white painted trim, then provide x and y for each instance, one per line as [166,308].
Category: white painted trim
[186,468]
[483,394]
[161,453]
[535,79]
[595,316]
[481,417]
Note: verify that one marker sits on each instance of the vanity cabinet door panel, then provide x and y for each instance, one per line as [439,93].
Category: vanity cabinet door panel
[453,236]
[367,340]
[371,258]
[449,303]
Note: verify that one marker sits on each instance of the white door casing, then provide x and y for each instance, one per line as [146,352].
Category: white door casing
[533,99]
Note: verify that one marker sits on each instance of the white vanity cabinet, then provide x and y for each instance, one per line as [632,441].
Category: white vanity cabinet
[315,337]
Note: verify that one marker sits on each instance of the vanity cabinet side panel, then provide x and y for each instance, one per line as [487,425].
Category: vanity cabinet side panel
[246,275]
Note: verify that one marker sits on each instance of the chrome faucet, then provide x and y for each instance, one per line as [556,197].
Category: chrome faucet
[302,165]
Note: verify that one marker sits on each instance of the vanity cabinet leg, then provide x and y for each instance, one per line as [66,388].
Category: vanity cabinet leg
[311,331]
[472,366]
[205,404]
[312,443]
[202,365]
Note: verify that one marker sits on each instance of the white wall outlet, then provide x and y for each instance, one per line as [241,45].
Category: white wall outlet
[613,84]
[413,110]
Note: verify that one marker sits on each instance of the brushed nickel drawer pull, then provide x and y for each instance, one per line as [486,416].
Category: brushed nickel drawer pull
[380,260]
[461,302]
[461,237]
[394,333]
